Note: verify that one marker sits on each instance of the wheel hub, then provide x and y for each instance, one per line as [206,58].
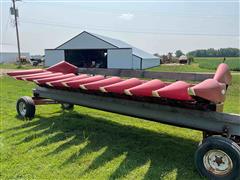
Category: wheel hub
[217,162]
[22,108]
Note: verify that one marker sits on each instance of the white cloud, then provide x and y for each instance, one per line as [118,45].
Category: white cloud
[126,16]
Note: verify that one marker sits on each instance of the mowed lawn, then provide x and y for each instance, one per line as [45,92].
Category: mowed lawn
[213,62]
[15,66]
[89,144]
[201,64]
[93,144]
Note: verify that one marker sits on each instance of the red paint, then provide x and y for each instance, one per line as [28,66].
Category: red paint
[31,78]
[146,88]
[121,86]
[97,84]
[63,67]
[177,90]
[49,79]
[76,83]
[20,77]
[58,83]
[25,72]
[211,90]
[223,74]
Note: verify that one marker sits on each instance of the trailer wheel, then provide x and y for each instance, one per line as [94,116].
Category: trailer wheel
[26,107]
[218,158]
[66,106]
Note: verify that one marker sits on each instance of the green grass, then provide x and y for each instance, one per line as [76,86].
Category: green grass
[232,103]
[206,64]
[212,63]
[15,66]
[93,144]
[89,144]
[180,68]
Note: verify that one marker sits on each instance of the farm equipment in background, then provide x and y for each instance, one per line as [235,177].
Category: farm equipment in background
[36,60]
[23,60]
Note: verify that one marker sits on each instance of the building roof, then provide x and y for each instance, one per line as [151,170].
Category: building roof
[120,44]
[183,57]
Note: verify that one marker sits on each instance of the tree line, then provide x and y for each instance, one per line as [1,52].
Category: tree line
[223,52]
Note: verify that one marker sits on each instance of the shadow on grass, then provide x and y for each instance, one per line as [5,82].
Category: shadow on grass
[140,146]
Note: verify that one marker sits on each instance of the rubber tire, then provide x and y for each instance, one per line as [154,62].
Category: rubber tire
[224,144]
[66,106]
[30,107]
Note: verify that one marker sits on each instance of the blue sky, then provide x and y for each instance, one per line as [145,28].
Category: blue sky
[155,26]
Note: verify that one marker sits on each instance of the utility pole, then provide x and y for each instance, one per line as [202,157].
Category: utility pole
[14,12]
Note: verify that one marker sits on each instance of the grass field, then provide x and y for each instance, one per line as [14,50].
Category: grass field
[15,66]
[180,68]
[90,144]
[200,65]
[93,144]
[212,63]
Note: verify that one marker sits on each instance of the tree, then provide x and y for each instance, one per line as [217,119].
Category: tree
[223,52]
[156,54]
[179,53]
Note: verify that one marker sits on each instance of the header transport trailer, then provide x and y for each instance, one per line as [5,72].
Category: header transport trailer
[196,106]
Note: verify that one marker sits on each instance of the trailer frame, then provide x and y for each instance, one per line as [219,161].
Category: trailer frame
[207,121]
[218,154]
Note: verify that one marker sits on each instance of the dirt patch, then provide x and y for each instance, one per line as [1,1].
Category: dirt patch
[173,64]
[4,71]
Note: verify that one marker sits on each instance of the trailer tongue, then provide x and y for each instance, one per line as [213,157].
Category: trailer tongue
[195,106]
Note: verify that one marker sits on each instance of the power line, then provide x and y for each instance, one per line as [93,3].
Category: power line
[8,44]
[126,31]
[130,1]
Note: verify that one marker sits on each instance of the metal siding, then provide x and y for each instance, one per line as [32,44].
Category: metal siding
[148,63]
[120,58]
[86,41]
[136,62]
[53,56]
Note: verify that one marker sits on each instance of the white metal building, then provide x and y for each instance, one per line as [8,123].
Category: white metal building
[93,50]
[8,57]
[183,59]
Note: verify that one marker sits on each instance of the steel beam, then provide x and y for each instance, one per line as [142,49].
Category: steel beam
[147,74]
[195,119]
